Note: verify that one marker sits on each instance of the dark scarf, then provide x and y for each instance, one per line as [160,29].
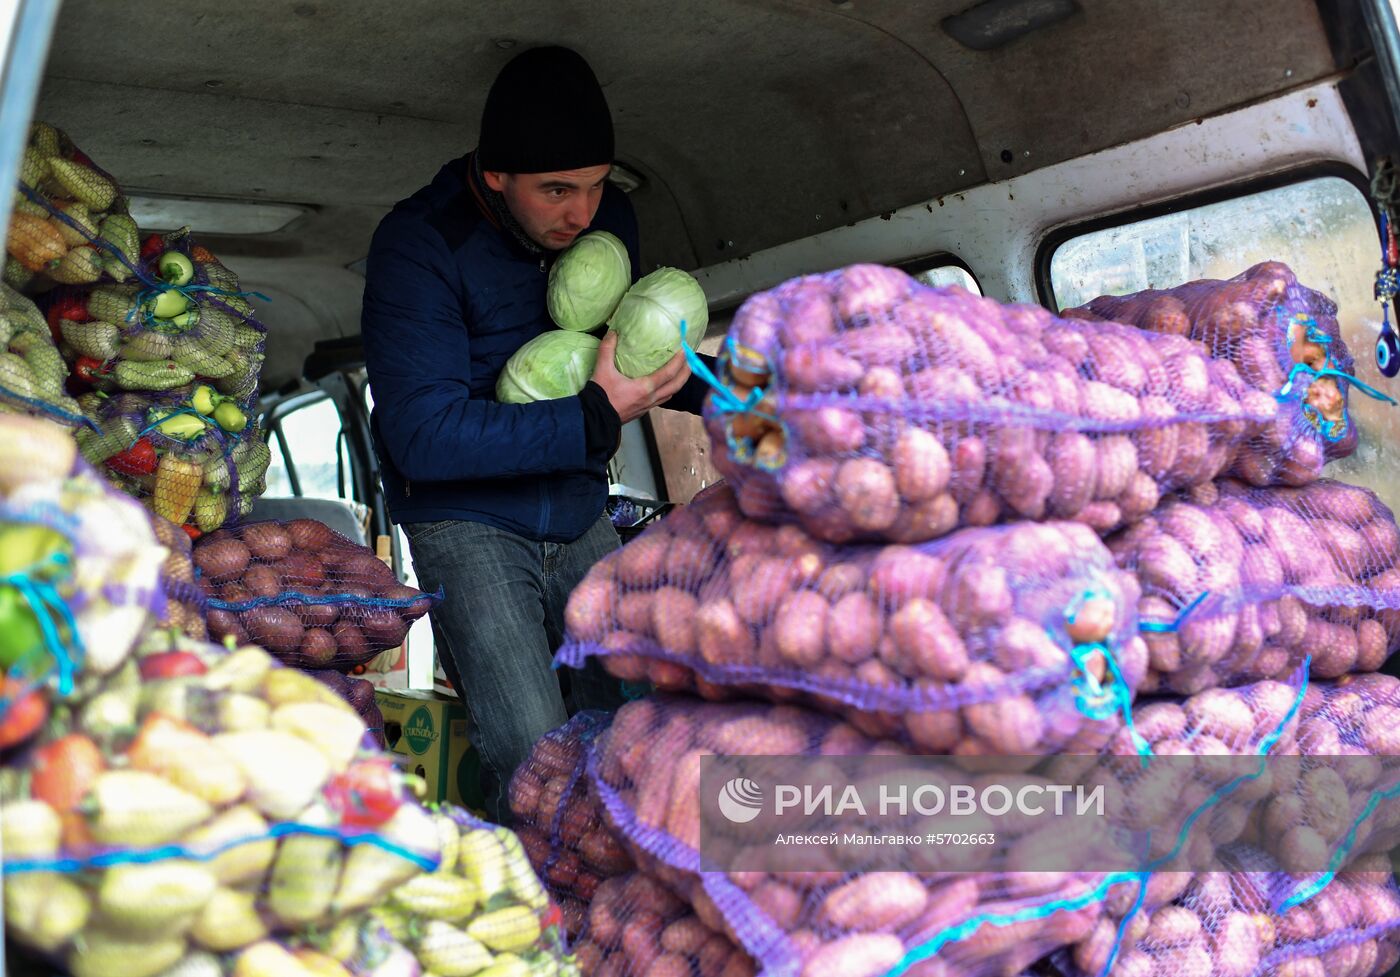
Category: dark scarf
[497,211]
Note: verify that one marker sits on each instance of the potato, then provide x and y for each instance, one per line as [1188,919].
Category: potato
[1072,463]
[854,956]
[383,628]
[274,628]
[262,581]
[800,627]
[923,636]
[721,634]
[222,560]
[318,648]
[266,541]
[865,490]
[308,535]
[853,628]
[819,369]
[826,430]
[921,465]
[301,572]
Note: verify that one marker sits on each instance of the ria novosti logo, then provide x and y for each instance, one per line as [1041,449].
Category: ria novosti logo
[741,800]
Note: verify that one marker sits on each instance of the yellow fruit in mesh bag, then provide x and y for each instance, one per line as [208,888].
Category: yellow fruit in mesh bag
[506,930]
[34,242]
[446,950]
[83,183]
[130,808]
[177,483]
[243,863]
[228,921]
[45,909]
[435,896]
[159,898]
[103,954]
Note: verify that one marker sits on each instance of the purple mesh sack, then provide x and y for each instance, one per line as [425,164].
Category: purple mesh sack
[1283,340]
[206,808]
[1338,801]
[183,321]
[70,223]
[560,821]
[808,921]
[636,927]
[80,578]
[305,593]
[1011,640]
[175,457]
[867,406]
[1224,925]
[1269,575]
[818,912]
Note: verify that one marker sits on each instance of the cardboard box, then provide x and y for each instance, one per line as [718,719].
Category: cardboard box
[429,731]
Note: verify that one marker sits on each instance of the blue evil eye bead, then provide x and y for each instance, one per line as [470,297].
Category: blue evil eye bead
[1387,354]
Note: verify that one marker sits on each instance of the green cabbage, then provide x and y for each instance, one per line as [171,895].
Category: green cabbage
[587,281]
[648,320]
[554,365]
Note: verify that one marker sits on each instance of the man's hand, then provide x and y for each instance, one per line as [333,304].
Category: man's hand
[632,398]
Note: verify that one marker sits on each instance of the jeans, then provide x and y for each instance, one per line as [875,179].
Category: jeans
[497,627]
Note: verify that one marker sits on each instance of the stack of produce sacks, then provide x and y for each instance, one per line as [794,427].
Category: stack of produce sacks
[560,821]
[159,342]
[863,419]
[310,596]
[588,287]
[171,807]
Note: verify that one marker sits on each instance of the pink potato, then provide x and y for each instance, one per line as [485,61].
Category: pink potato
[853,628]
[854,956]
[1072,464]
[865,489]
[921,465]
[800,627]
[721,634]
[820,369]
[589,612]
[826,430]
[923,637]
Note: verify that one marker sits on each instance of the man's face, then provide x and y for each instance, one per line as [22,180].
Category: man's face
[553,208]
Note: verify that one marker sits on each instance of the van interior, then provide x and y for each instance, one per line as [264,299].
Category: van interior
[1034,150]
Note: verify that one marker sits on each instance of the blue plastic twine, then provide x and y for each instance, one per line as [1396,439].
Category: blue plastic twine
[1167,627]
[44,407]
[1331,430]
[1091,698]
[45,602]
[727,402]
[146,856]
[297,597]
[965,929]
[1310,889]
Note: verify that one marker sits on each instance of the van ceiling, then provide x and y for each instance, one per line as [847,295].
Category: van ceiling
[754,122]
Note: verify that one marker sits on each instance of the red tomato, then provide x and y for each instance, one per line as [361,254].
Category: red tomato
[171,664]
[367,794]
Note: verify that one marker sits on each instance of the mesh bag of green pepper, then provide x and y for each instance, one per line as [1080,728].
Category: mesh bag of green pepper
[200,798]
[559,818]
[190,454]
[79,575]
[304,592]
[32,373]
[184,320]
[70,223]
[483,911]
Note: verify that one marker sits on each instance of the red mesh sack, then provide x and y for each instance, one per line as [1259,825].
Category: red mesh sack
[305,593]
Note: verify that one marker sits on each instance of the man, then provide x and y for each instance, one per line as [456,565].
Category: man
[503,504]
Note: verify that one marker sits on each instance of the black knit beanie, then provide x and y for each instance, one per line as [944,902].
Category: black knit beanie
[545,112]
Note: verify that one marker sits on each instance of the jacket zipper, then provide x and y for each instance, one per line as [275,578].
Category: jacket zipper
[407,488]
[541,266]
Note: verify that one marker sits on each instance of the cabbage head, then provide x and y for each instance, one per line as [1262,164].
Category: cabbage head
[550,366]
[587,281]
[648,320]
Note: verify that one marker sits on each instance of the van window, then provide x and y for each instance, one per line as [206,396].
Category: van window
[940,276]
[308,453]
[1322,228]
